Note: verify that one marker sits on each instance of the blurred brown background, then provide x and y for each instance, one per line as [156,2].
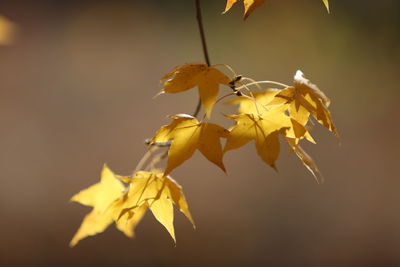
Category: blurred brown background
[76,91]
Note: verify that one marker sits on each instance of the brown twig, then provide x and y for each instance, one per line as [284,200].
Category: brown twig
[201,30]
[204,45]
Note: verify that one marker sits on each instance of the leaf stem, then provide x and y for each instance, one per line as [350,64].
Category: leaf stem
[261,82]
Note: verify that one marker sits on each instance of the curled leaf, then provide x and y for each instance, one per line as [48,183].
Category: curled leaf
[306,160]
[304,98]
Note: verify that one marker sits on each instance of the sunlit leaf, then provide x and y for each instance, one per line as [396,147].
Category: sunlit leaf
[326,3]
[251,5]
[306,160]
[206,78]
[259,106]
[264,131]
[304,98]
[188,135]
[100,196]
[154,191]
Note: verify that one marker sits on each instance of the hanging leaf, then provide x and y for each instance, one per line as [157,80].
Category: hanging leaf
[206,78]
[188,134]
[256,105]
[154,191]
[251,5]
[304,98]
[305,159]
[260,106]
[326,3]
[265,130]
[100,196]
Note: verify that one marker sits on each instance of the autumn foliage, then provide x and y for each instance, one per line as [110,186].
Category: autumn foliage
[269,113]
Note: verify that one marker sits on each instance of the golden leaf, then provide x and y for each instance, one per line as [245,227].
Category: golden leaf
[259,106]
[206,78]
[304,98]
[188,134]
[305,159]
[251,5]
[100,196]
[154,191]
[256,106]
[264,130]
[326,3]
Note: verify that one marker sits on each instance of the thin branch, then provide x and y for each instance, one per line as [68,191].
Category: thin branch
[197,110]
[204,45]
[201,30]
[159,144]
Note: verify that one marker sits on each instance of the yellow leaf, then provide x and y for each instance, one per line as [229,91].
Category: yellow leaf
[127,223]
[157,192]
[100,196]
[249,6]
[306,160]
[326,3]
[264,130]
[259,106]
[305,98]
[188,134]
[256,106]
[206,78]
[93,223]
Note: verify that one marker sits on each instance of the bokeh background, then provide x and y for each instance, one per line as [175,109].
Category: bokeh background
[76,90]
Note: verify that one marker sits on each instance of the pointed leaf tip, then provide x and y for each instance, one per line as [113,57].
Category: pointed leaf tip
[188,135]
[206,78]
[326,3]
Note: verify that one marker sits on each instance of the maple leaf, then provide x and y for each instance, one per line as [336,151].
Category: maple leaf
[251,5]
[265,131]
[259,106]
[154,191]
[304,98]
[188,134]
[326,3]
[206,78]
[100,196]
[305,159]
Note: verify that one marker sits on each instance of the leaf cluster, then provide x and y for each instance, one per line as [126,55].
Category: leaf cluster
[269,113]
